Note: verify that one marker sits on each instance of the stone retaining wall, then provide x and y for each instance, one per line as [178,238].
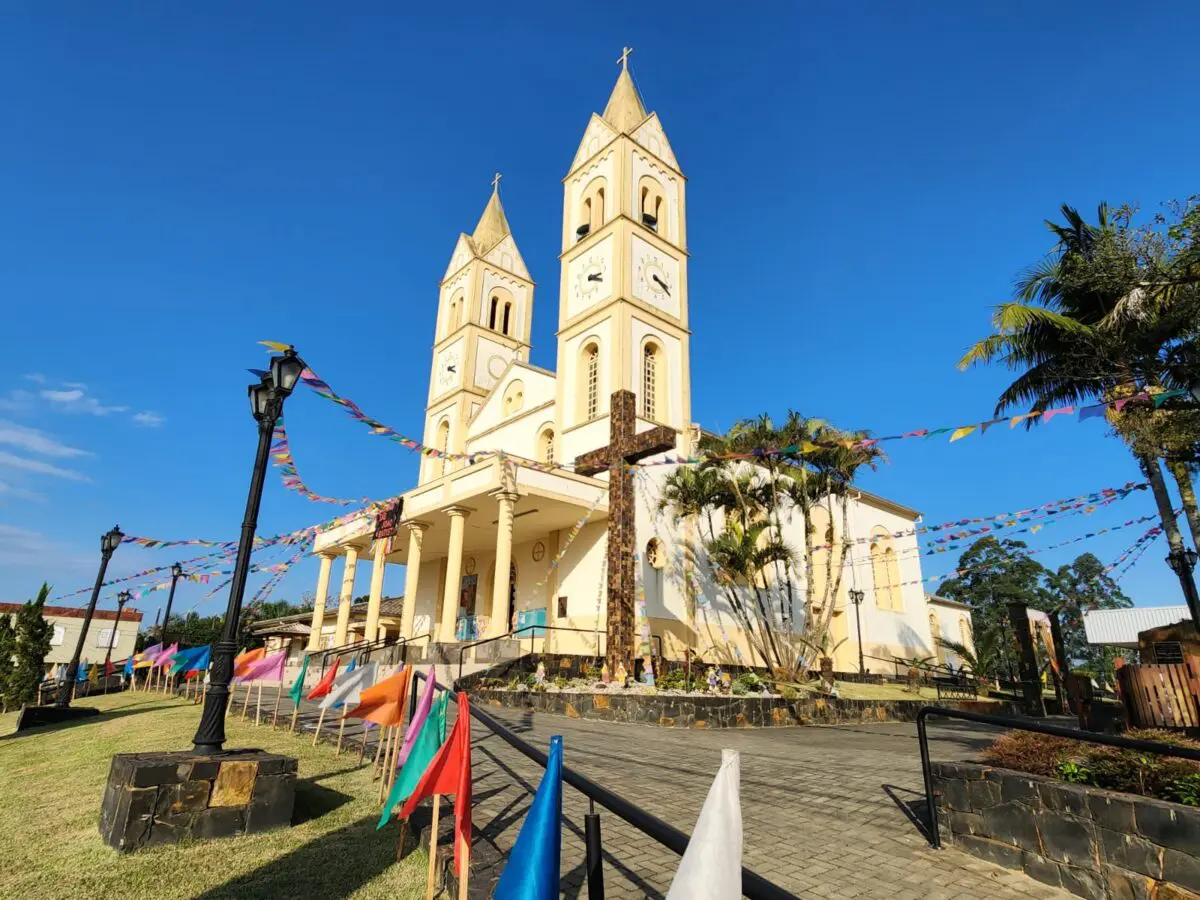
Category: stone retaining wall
[1093,843]
[680,711]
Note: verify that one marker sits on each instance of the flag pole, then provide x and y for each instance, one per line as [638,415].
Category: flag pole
[387,755]
[246,705]
[341,732]
[378,750]
[275,712]
[295,713]
[433,842]
[258,705]
[320,722]
[464,874]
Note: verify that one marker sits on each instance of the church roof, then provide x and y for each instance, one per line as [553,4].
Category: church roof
[492,227]
[624,111]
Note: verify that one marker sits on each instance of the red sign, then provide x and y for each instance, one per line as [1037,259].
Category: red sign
[387,523]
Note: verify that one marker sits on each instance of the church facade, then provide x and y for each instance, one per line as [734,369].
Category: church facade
[491,543]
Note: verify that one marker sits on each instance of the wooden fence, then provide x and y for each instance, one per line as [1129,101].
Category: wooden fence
[1161,696]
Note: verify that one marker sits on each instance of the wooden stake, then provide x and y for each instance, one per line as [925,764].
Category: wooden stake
[341,732]
[433,842]
[295,713]
[258,705]
[320,722]
[403,839]
[464,870]
[363,747]
[385,741]
[246,705]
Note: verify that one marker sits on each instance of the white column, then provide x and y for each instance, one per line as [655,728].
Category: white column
[347,597]
[318,616]
[458,523]
[412,576]
[378,561]
[501,598]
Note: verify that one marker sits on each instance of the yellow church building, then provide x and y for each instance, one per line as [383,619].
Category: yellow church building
[503,542]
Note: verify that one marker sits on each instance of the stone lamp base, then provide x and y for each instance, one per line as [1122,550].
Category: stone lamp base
[164,798]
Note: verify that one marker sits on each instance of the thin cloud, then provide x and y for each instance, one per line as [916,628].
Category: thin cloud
[21,548]
[17,400]
[19,493]
[149,419]
[76,401]
[33,441]
[35,377]
[41,468]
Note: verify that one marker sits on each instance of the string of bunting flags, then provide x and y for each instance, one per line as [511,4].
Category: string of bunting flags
[137,575]
[1134,552]
[281,455]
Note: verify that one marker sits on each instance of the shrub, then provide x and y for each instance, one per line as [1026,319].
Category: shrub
[787,692]
[1111,768]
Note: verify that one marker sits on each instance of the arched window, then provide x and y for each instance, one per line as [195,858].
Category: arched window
[514,397]
[443,444]
[964,631]
[507,317]
[546,445]
[884,570]
[651,203]
[935,632]
[590,383]
[591,208]
[656,554]
[650,380]
[492,315]
[822,548]
[456,309]
[895,597]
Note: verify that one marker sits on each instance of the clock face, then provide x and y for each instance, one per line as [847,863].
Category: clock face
[449,368]
[655,277]
[496,365]
[539,551]
[590,278]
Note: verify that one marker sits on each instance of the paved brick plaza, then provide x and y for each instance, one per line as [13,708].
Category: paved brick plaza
[817,803]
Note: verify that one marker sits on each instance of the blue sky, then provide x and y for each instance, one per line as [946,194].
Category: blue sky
[180,181]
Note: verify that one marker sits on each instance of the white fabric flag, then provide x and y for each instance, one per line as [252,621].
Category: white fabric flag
[711,868]
[348,685]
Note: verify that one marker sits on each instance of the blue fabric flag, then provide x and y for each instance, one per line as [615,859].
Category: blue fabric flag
[201,662]
[128,666]
[81,674]
[532,869]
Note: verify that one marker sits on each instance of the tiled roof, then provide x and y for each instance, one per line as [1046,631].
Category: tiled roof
[78,612]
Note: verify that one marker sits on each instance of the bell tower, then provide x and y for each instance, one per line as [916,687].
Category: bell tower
[485,311]
[623,311]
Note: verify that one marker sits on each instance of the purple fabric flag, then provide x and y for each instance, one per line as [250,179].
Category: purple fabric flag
[1092,412]
[419,717]
[269,668]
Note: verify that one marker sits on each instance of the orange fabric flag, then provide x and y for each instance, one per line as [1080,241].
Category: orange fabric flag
[326,682]
[243,660]
[450,773]
[383,703]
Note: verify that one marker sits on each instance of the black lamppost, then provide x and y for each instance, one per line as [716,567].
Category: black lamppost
[108,543]
[266,403]
[1182,562]
[176,574]
[122,599]
[856,597]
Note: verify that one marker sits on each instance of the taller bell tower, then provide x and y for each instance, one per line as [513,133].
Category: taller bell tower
[485,311]
[623,311]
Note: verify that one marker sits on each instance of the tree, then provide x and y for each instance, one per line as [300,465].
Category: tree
[1085,585]
[986,658]
[32,638]
[8,651]
[994,574]
[1113,311]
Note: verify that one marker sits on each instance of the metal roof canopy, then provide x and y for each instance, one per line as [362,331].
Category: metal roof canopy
[1120,627]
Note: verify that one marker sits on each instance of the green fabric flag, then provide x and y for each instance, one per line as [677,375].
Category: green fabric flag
[297,690]
[429,741]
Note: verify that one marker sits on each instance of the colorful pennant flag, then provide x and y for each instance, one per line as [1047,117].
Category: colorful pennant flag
[711,868]
[245,659]
[424,749]
[348,687]
[297,690]
[383,703]
[531,872]
[419,716]
[267,668]
[325,683]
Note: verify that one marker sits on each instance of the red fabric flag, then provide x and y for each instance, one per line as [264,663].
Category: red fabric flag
[326,682]
[383,703]
[109,668]
[450,773]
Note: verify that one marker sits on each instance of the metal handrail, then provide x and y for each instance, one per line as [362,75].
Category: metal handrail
[368,646]
[1107,740]
[509,634]
[754,886]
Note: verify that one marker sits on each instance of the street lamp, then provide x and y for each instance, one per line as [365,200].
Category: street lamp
[108,543]
[176,574]
[856,597]
[1182,562]
[266,404]
[122,599]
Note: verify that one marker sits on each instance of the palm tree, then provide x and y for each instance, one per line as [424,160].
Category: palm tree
[1089,324]
[692,492]
[985,659]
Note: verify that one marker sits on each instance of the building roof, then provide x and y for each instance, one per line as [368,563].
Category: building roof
[1120,627]
[624,110]
[389,607]
[78,612]
[492,227]
[298,628]
[946,601]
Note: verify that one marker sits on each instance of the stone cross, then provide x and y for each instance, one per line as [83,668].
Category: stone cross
[624,60]
[625,446]
[496,181]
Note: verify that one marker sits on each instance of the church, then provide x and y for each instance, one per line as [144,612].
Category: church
[509,525]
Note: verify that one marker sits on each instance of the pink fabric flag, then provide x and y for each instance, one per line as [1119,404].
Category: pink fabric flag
[269,668]
[419,717]
[167,656]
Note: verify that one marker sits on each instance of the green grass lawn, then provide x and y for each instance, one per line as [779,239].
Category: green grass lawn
[51,782]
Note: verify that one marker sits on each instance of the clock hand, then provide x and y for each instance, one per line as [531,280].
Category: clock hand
[595,276]
[662,284]
[451,369]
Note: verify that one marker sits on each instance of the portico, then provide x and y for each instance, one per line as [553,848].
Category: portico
[478,545]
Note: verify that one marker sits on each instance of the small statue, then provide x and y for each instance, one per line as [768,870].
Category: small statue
[647,670]
[726,680]
[604,676]
[711,677]
[622,675]
[540,675]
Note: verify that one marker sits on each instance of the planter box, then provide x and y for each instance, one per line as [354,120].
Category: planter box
[681,711]
[1091,842]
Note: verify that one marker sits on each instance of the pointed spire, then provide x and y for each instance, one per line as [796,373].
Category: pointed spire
[624,111]
[493,225]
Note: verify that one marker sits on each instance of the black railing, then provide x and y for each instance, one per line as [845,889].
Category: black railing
[509,635]
[754,886]
[1107,740]
[369,647]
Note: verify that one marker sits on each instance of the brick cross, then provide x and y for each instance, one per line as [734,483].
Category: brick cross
[626,446]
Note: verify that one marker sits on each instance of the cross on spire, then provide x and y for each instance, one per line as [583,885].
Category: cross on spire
[496,182]
[624,60]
